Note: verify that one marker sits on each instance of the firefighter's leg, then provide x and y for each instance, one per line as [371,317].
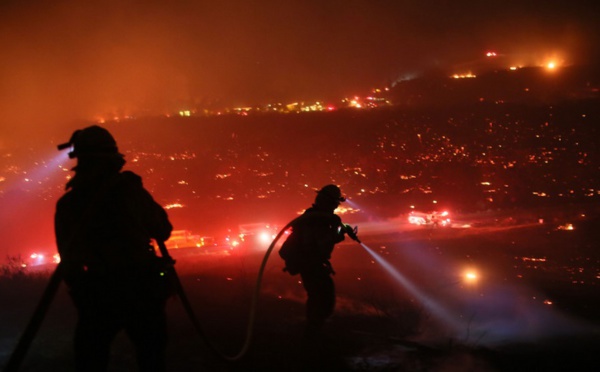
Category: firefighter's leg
[94,333]
[320,303]
[147,329]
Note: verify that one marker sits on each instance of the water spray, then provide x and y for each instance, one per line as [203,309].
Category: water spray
[433,306]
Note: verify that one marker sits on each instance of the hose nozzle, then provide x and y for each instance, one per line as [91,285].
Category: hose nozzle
[351,232]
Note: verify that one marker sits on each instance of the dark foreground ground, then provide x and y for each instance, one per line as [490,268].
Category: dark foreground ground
[533,307]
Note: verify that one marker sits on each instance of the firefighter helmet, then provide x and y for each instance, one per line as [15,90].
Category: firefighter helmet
[333,192]
[91,141]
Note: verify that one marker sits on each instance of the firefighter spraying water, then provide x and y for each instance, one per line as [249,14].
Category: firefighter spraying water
[307,251]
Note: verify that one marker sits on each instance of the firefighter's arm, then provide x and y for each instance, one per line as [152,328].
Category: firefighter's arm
[154,217]
[338,230]
[64,222]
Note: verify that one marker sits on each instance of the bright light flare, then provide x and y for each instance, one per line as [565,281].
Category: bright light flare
[567,226]
[38,259]
[471,276]
[264,237]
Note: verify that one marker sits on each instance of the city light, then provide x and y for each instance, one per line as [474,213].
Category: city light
[567,227]
[467,75]
[173,205]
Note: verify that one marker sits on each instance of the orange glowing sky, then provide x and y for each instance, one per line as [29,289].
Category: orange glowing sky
[71,60]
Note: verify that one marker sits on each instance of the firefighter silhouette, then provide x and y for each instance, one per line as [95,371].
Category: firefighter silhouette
[320,229]
[104,224]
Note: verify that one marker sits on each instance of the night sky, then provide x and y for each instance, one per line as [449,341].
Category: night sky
[70,60]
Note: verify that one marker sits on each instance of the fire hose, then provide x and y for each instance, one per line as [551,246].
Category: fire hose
[253,306]
[16,358]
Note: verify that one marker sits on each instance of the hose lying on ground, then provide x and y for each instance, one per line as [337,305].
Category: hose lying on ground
[253,306]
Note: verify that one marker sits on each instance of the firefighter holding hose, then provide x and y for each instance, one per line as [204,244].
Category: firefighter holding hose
[104,225]
[307,251]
